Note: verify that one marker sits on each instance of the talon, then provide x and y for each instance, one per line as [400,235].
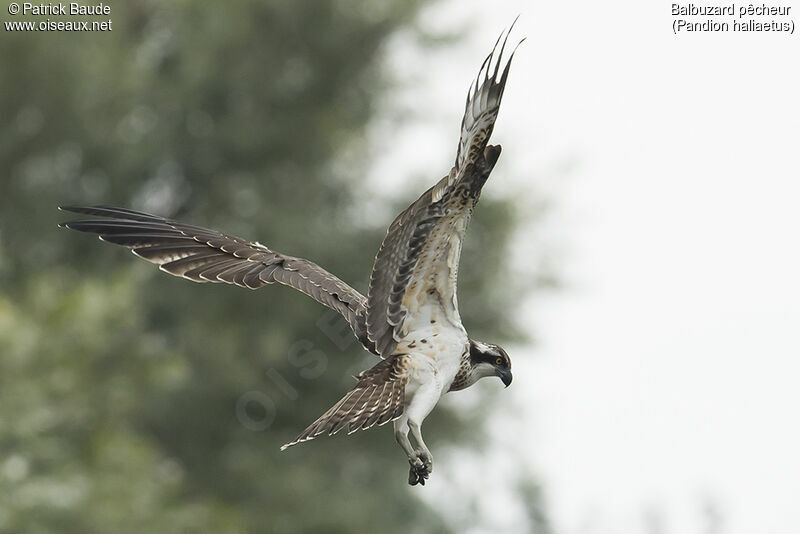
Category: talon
[428,464]
[421,463]
[414,471]
[426,459]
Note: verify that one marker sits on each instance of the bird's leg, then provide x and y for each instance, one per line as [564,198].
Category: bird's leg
[415,472]
[423,401]
[401,435]
[422,452]
[420,459]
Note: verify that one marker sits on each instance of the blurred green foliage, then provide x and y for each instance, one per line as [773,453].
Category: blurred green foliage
[118,384]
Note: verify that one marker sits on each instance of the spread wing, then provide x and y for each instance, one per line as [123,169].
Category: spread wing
[378,398]
[413,282]
[204,255]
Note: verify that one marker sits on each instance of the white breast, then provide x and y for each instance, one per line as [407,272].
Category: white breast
[435,356]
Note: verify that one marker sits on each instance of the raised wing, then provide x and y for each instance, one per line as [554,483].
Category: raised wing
[413,282]
[204,255]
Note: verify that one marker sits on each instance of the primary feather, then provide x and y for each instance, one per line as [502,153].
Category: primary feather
[203,255]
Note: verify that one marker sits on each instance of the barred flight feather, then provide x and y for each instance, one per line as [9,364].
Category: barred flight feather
[378,398]
[203,255]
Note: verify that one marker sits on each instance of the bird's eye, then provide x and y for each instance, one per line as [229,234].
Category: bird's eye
[499,361]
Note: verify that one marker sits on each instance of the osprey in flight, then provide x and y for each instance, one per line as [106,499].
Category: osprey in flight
[410,315]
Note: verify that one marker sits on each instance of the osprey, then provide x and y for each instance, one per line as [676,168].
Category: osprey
[409,317]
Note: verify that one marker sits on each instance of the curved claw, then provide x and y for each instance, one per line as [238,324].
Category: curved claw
[421,468]
[413,477]
[417,475]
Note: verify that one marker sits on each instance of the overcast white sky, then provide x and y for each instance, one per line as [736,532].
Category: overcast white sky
[663,395]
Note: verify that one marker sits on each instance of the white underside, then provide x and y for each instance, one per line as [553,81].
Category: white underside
[432,333]
[433,366]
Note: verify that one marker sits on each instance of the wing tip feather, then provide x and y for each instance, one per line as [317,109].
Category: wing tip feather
[485,94]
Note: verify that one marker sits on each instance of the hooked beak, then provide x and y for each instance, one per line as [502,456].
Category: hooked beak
[505,376]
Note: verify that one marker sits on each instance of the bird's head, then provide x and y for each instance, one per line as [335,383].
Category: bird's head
[490,360]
